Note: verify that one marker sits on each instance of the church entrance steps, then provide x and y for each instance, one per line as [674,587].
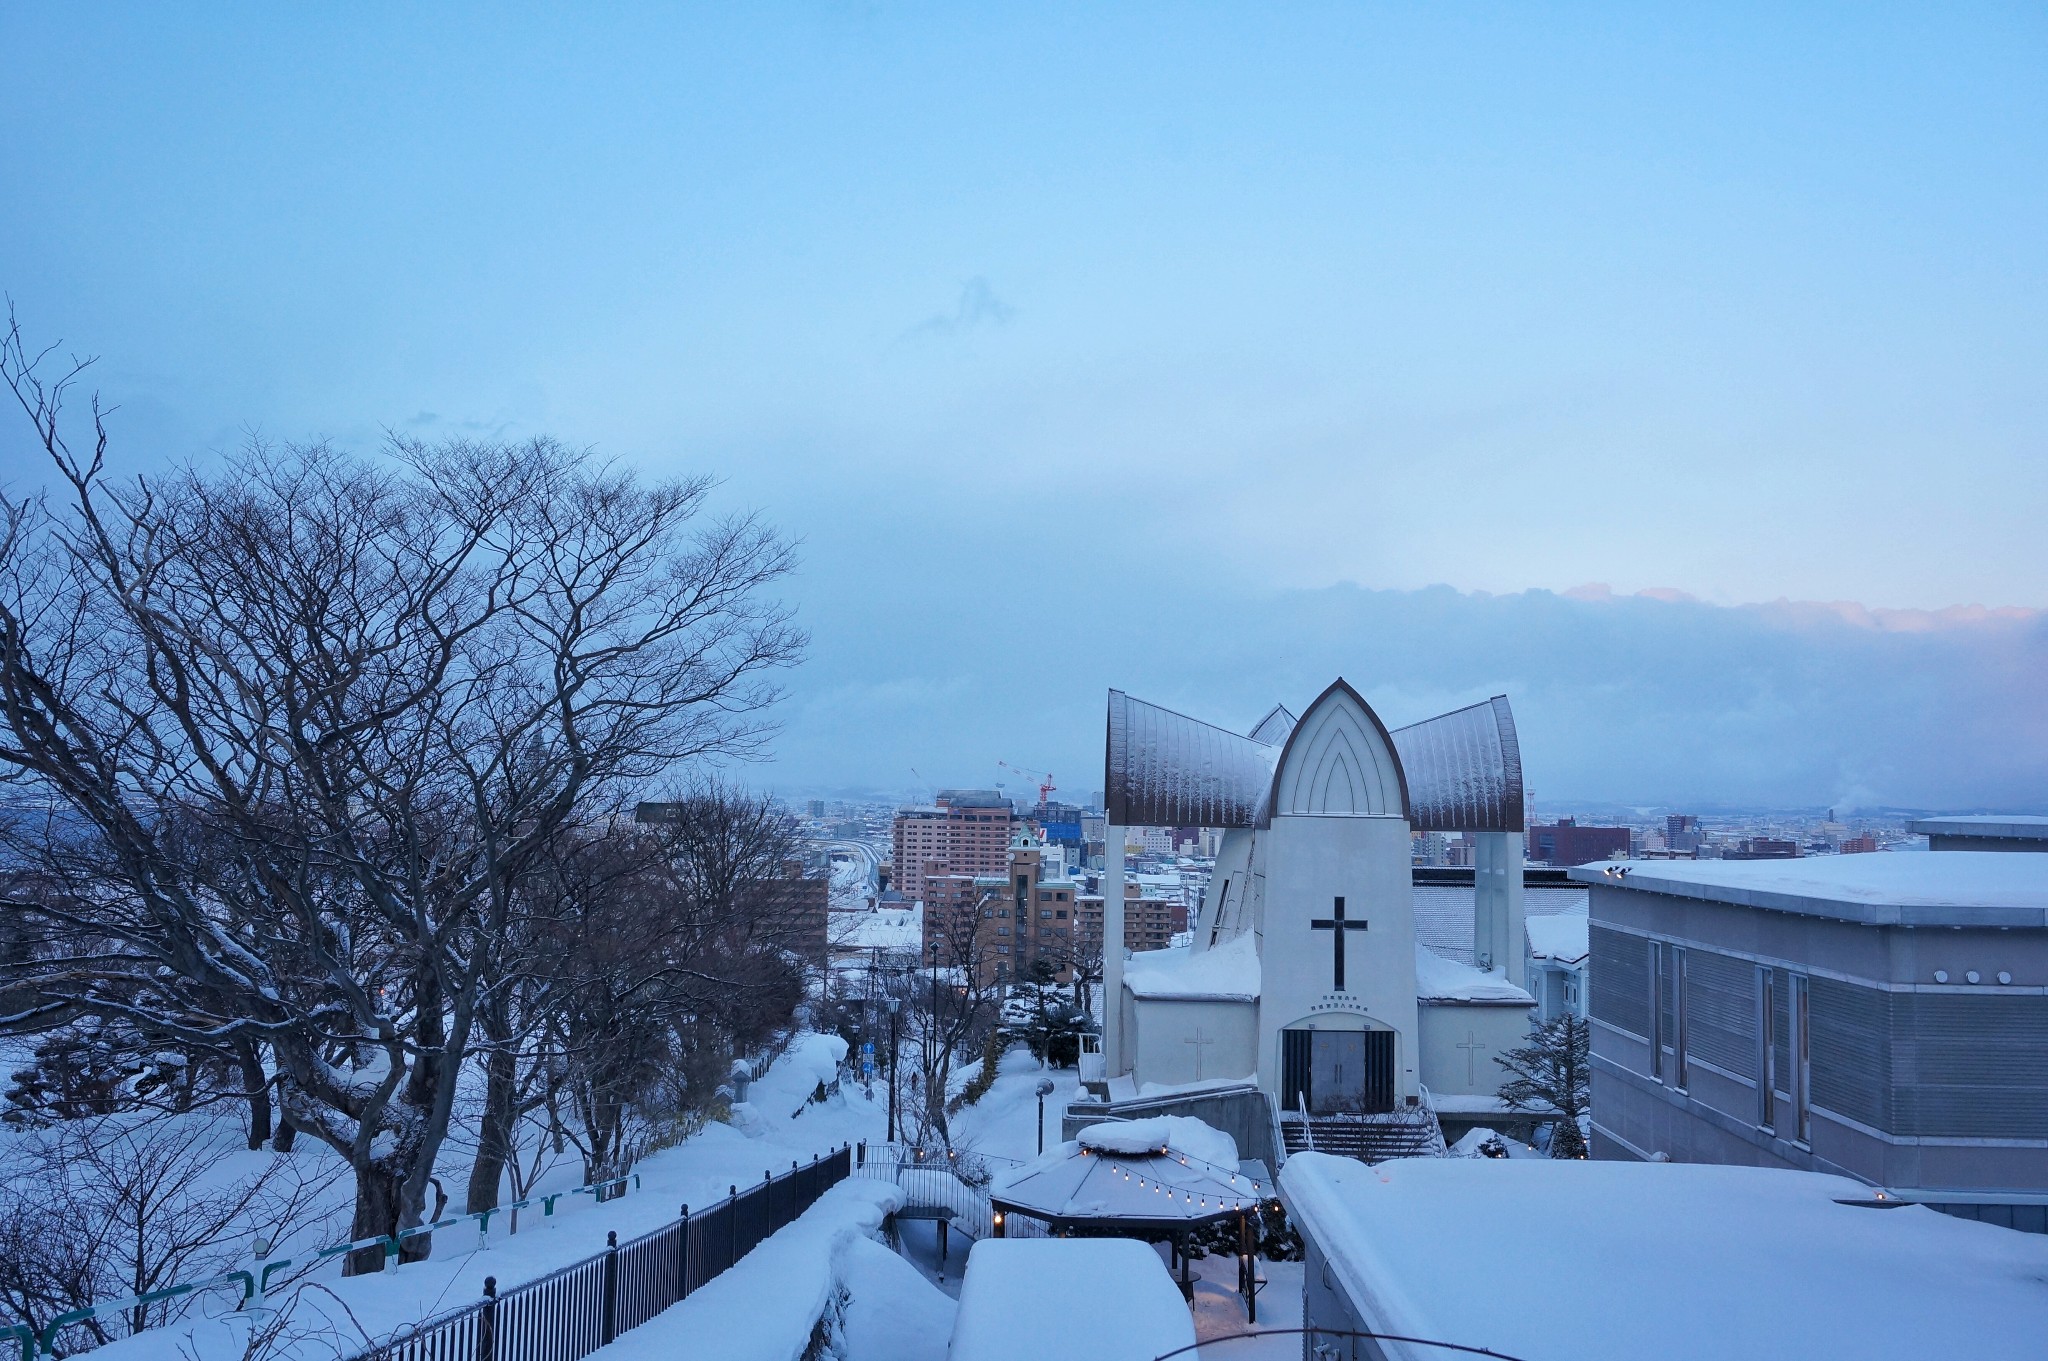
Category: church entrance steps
[1369,1138]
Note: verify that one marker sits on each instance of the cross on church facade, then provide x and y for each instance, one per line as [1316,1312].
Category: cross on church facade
[1336,926]
[1199,1041]
[1471,1045]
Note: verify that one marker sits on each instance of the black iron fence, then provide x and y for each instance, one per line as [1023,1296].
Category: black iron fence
[580,1308]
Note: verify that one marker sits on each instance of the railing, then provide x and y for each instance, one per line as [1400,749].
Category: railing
[1437,1147]
[1090,1064]
[948,1184]
[570,1314]
[254,1280]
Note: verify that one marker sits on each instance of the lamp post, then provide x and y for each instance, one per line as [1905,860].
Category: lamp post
[1044,1090]
[895,1006]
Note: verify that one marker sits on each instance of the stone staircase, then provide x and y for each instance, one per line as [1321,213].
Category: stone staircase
[1412,1132]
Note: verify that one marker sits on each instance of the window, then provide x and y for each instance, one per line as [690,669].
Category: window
[1002,930]
[1766,1047]
[1667,1013]
[1061,914]
[1045,914]
[1802,1059]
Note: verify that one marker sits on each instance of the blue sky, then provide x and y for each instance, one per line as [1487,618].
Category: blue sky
[1093,345]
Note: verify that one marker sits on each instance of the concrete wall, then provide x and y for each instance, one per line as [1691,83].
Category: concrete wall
[1451,1070]
[1162,1047]
[1240,1112]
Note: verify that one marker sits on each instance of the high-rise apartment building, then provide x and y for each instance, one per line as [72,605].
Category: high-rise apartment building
[962,831]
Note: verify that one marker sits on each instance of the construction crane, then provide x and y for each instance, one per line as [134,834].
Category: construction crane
[1044,778]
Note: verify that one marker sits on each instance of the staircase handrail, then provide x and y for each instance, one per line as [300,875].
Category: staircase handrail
[1438,1149]
[1308,1129]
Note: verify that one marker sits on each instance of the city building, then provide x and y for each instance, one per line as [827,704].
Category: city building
[1556,965]
[2001,832]
[1682,832]
[1151,921]
[1865,844]
[962,831]
[1566,843]
[1762,848]
[1884,1017]
[1005,925]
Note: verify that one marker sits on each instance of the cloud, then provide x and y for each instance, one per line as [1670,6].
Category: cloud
[976,307]
[1644,699]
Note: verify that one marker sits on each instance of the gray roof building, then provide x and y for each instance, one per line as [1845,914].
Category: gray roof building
[1879,1016]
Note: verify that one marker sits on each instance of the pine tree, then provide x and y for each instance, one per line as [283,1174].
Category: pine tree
[1550,1075]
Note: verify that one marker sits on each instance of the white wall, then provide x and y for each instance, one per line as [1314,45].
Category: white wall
[1313,860]
[1164,1028]
[1450,1070]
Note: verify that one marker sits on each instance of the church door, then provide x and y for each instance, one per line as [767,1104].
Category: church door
[1348,1071]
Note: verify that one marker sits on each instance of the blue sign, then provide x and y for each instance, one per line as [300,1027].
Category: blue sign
[867,1059]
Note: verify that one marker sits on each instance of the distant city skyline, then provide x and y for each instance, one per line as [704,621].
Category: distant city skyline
[1204,354]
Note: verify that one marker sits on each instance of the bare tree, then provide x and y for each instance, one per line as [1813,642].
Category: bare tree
[312,717]
[113,1208]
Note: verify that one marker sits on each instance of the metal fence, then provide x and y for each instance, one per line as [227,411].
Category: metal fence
[572,1313]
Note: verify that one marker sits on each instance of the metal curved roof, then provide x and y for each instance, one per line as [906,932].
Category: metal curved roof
[1164,769]
[1464,770]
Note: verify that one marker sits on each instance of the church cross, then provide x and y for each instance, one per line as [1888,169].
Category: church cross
[1199,1041]
[1336,926]
[1471,1045]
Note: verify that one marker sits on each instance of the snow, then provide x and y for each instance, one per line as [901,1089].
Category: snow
[893,929]
[1561,937]
[777,1126]
[1225,972]
[1068,1299]
[1004,1123]
[893,1313]
[1162,1134]
[1446,980]
[764,1307]
[1953,879]
[1612,1261]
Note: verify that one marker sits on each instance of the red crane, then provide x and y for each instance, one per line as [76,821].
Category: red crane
[1044,778]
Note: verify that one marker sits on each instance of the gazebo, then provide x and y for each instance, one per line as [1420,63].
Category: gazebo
[1158,1179]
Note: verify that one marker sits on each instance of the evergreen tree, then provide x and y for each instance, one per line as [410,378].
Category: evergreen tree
[1550,1075]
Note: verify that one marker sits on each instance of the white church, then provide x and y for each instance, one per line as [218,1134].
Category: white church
[1304,979]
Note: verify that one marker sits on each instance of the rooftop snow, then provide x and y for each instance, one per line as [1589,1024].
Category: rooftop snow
[1561,937]
[1669,1260]
[1955,888]
[1445,980]
[1077,1299]
[1226,972]
[2002,825]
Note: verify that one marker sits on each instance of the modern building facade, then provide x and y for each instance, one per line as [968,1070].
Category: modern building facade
[1880,1016]
[1565,842]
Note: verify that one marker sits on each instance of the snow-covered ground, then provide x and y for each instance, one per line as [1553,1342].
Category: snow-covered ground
[777,1126]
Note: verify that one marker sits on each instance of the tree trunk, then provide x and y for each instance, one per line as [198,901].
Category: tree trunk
[494,1136]
[256,1086]
[377,1197]
[287,1135]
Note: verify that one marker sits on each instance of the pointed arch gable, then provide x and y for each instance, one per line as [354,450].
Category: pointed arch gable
[1340,760]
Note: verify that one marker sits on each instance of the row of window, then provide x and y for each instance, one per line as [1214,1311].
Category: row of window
[1784,1019]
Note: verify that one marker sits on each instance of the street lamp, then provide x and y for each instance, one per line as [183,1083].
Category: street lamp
[1044,1090]
[895,1006]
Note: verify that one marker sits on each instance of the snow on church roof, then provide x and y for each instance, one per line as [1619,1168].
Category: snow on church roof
[1225,973]
[1446,980]
[1462,770]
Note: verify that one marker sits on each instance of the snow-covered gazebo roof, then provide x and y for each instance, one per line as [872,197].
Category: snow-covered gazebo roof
[1170,1172]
